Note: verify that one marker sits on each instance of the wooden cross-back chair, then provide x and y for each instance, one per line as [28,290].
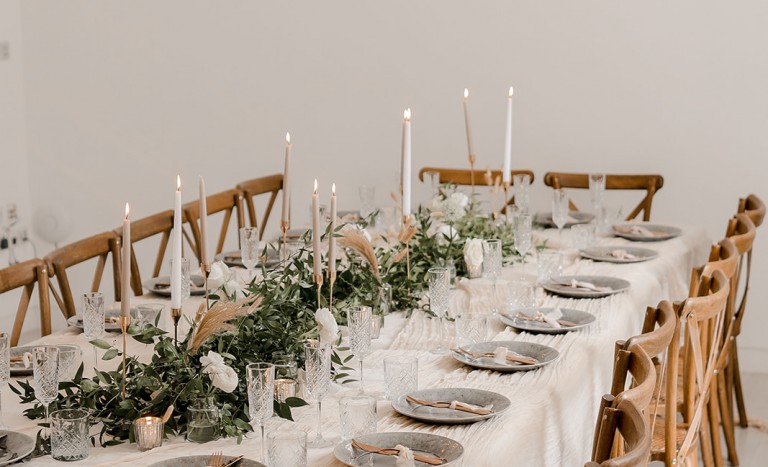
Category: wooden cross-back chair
[632,426]
[648,183]
[160,224]
[700,327]
[754,208]
[25,276]
[98,247]
[271,184]
[229,202]
[465,177]
[629,359]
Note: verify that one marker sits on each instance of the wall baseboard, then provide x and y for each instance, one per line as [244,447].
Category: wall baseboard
[753,359]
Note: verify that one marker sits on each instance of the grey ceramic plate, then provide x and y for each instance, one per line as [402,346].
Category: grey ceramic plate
[558,286]
[542,353]
[232,259]
[197,287]
[663,232]
[574,217]
[201,461]
[582,319]
[423,443]
[18,443]
[605,253]
[448,416]
[110,326]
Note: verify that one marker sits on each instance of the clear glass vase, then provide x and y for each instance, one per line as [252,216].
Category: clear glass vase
[203,420]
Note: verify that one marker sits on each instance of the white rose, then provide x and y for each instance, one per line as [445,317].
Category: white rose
[473,252]
[327,325]
[446,233]
[234,288]
[219,275]
[222,375]
[460,199]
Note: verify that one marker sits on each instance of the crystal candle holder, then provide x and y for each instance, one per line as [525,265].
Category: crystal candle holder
[149,432]
[284,388]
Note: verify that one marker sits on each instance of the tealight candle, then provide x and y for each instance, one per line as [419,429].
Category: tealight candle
[149,432]
[284,388]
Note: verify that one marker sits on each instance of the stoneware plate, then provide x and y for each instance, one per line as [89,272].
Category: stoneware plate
[561,286]
[110,325]
[161,285]
[18,443]
[542,353]
[202,461]
[424,443]
[660,232]
[232,259]
[581,319]
[606,253]
[574,217]
[447,416]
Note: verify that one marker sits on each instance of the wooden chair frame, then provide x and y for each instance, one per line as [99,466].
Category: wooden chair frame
[229,202]
[632,426]
[754,208]
[648,183]
[98,246]
[465,177]
[25,275]
[271,184]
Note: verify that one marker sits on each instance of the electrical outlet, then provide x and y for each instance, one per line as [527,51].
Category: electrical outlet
[5,50]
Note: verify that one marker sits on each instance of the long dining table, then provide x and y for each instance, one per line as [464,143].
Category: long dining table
[553,409]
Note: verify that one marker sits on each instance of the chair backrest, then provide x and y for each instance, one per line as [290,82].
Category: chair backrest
[658,329]
[741,231]
[702,320]
[754,208]
[97,247]
[634,429]
[228,202]
[467,177]
[25,275]
[648,183]
[271,184]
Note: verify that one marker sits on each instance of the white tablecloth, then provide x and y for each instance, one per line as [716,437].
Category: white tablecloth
[552,416]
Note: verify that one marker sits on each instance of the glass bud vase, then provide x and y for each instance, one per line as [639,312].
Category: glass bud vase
[203,420]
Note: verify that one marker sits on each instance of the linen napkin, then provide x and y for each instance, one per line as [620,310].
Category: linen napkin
[637,230]
[587,285]
[404,457]
[622,254]
[453,405]
[424,458]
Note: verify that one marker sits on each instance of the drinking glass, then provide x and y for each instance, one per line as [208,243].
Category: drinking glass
[521,295]
[492,265]
[583,236]
[609,215]
[439,281]
[358,416]
[45,368]
[261,394]
[146,313]
[597,189]
[93,320]
[286,375]
[521,184]
[70,357]
[367,200]
[432,177]
[249,248]
[5,370]
[547,265]
[287,448]
[359,324]
[317,366]
[560,212]
[471,328]
[401,376]
[186,280]
[521,229]
[69,435]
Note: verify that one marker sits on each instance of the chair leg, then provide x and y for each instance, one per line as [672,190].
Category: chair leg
[714,424]
[738,391]
[705,441]
[727,418]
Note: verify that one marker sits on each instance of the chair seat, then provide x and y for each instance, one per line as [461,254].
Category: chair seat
[657,443]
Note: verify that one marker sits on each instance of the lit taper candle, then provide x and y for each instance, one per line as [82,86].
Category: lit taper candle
[176,256]
[316,233]
[406,163]
[506,175]
[203,224]
[466,123]
[331,238]
[286,217]
[125,290]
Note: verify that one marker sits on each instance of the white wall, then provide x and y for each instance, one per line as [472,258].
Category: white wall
[123,95]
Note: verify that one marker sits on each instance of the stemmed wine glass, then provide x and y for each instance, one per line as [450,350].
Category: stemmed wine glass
[249,248]
[560,212]
[439,280]
[261,394]
[45,368]
[93,320]
[5,370]
[317,366]
[492,265]
[597,190]
[359,324]
[521,229]
[521,184]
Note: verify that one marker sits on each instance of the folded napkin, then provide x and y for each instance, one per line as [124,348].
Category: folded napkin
[637,230]
[622,254]
[424,458]
[453,405]
[404,457]
[503,355]
[587,285]
[550,318]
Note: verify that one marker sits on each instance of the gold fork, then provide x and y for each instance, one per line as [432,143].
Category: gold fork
[216,459]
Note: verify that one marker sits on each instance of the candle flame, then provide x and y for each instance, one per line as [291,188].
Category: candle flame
[333,189]
[287,138]
[407,115]
[466,93]
[127,209]
[315,186]
[178,182]
[510,91]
